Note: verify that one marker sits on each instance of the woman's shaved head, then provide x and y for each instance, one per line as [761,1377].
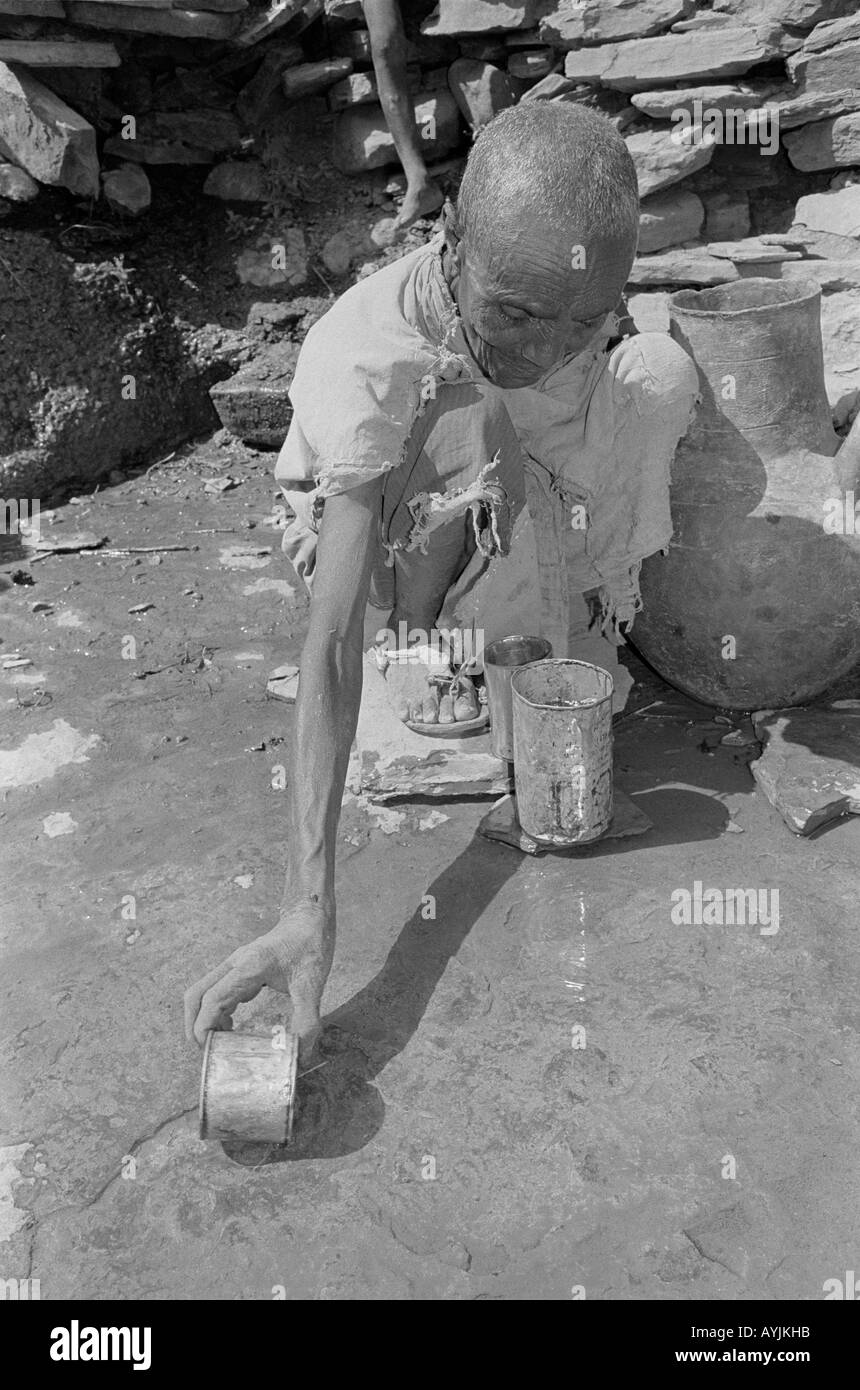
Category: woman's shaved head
[543,238]
[560,161]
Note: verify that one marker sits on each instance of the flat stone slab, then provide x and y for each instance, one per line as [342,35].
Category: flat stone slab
[255,404]
[501,823]
[810,767]
[389,760]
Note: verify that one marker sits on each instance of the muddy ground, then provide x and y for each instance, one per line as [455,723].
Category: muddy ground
[459,1142]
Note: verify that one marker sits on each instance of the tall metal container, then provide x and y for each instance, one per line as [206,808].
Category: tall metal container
[563,750]
[501,659]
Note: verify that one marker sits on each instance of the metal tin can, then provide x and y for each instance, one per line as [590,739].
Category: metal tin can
[501,659]
[248,1086]
[562,716]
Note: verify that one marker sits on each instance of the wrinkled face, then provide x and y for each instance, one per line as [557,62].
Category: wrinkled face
[535,297]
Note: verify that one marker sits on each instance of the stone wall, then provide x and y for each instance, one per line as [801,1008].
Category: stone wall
[742,116]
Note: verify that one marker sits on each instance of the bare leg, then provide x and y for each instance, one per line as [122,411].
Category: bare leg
[388,45]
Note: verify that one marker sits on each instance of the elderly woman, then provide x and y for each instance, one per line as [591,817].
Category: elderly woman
[476,374]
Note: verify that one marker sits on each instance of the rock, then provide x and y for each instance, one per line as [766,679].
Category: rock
[338,253]
[837,212]
[597,21]
[826,71]
[822,245]
[752,251]
[181,24]
[834,31]
[800,14]
[642,63]
[351,43]
[793,110]
[41,9]
[669,219]
[237,182]
[254,404]
[280,261]
[650,312]
[253,101]
[531,64]
[555,87]
[179,137]
[692,267]
[44,136]
[810,767]
[127,189]
[480,90]
[479,16]
[662,160]
[274,17]
[662,105]
[502,823]
[16,184]
[310,78]
[358,90]
[272,314]
[829,275]
[727,215]
[826,144]
[363,141]
[72,54]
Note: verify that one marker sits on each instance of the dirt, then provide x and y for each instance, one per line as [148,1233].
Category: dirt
[112,331]
[534,1080]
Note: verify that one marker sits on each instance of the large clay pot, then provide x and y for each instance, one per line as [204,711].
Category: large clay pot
[757,602]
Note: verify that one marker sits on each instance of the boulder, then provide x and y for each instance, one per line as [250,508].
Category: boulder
[363,141]
[704,55]
[837,212]
[826,144]
[480,90]
[127,189]
[44,136]
[337,254]
[237,182]
[661,159]
[669,219]
[480,16]
[16,184]
[608,21]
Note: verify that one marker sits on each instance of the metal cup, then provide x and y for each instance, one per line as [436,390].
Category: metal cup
[501,659]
